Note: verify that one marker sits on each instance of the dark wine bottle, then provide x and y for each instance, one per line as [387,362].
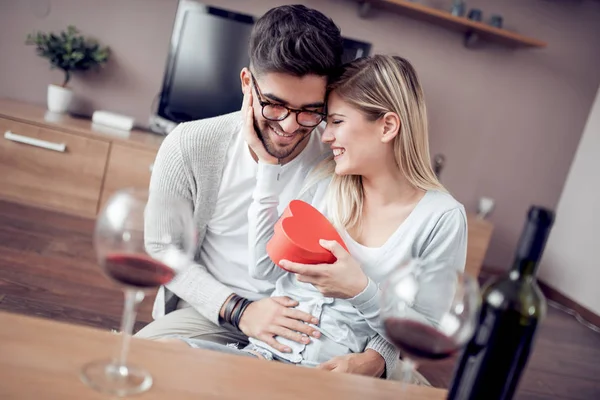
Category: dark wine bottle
[491,364]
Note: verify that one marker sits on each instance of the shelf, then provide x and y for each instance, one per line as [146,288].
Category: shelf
[460,24]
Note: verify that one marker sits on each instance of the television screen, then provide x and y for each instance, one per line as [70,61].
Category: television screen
[209,47]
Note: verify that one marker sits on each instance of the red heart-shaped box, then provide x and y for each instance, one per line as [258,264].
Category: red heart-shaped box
[297,234]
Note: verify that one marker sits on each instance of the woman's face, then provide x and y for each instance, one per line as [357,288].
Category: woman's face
[356,142]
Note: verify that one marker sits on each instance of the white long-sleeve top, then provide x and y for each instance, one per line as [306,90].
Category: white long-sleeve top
[435,232]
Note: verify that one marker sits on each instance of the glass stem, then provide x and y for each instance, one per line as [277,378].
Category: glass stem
[408,366]
[132,299]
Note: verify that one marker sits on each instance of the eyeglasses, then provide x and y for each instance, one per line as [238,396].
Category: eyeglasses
[278,112]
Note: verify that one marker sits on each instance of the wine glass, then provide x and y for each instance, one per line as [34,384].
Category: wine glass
[142,241]
[428,312]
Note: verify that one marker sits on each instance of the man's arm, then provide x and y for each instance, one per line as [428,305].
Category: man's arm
[378,360]
[387,352]
[172,176]
[262,319]
[367,363]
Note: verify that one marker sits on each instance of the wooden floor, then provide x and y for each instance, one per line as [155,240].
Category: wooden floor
[48,269]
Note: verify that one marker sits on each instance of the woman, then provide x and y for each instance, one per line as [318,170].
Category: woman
[379,190]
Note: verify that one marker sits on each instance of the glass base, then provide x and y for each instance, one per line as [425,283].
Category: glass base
[107,377]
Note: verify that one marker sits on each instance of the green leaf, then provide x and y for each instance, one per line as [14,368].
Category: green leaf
[68,50]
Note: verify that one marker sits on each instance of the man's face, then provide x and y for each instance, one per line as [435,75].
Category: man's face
[285,139]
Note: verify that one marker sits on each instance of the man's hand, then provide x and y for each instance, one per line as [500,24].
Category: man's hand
[369,363]
[266,318]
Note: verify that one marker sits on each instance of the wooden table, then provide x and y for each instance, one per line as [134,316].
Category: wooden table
[41,359]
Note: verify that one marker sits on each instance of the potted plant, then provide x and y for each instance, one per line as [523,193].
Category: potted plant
[70,52]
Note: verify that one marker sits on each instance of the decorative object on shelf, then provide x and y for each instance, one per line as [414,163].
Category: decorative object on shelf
[475,14]
[496,21]
[472,37]
[439,160]
[69,52]
[458,8]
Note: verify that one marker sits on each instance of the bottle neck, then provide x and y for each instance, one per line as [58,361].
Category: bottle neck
[531,244]
[524,269]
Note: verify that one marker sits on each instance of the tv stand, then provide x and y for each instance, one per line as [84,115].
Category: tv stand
[160,125]
[68,164]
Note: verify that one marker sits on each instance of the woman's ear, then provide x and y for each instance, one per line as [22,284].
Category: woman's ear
[391,127]
[245,80]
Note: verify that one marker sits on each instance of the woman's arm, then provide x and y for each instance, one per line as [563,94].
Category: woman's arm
[263,214]
[262,217]
[443,255]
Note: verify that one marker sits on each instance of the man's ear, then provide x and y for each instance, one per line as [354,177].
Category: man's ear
[245,80]
[391,127]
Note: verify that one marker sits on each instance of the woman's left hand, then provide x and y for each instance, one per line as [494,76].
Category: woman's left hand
[343,279]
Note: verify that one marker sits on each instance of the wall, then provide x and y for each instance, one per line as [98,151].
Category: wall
[570,263]
[138,32]
[508,121]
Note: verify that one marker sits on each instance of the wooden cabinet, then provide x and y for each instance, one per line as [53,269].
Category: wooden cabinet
[67,164]
[48,168]
[479,236]
[127,167]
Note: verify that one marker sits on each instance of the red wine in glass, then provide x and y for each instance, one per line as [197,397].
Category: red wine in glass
[133,227]
[137,271]
[419,340]
[411,315]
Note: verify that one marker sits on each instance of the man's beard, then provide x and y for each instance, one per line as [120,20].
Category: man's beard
[278,152]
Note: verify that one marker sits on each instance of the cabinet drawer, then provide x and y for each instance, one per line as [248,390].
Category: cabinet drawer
[127,167]
[51,169]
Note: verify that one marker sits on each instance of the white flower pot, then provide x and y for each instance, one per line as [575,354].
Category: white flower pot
[59,98]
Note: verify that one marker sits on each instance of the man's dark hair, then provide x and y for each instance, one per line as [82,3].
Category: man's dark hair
[296,40]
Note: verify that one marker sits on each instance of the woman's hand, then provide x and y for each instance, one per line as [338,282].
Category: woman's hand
[249,132]
[343,279]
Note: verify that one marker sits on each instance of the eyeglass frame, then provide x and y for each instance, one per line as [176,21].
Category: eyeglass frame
[264,103]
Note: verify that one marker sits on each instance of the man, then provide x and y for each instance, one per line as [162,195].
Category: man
[292,51]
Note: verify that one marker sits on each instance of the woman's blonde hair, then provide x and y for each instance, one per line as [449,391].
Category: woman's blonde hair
[375,86]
